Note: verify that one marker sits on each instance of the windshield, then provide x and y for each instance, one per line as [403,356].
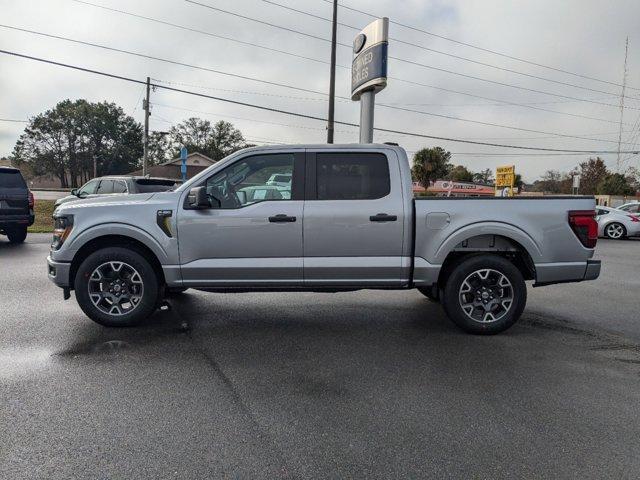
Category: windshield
[11,179]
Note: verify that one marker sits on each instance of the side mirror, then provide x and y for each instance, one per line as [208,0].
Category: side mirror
[75,192]
[199,199]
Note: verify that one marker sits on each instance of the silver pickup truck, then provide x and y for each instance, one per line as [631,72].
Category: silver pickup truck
[346,220]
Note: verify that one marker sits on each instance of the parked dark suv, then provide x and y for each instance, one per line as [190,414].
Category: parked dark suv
[16,205]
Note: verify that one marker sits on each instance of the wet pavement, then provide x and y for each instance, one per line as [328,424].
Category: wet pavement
[350,385]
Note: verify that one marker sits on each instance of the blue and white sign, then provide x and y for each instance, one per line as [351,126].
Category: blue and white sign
[183,166]
[369,66]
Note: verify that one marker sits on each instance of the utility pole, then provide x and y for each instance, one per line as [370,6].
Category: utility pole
[332,79]
[145,139]
[624,87]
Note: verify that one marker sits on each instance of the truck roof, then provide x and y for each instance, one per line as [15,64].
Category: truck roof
[326,146]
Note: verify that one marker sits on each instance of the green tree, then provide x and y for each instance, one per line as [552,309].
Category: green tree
[633,176]
[615,184]
[592,173]
[160,149]
[553,181]
[460,173]
[430,164]
[76,139]
[484,177]
[214,140]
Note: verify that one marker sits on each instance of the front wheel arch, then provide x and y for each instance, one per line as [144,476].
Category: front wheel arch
[115,241]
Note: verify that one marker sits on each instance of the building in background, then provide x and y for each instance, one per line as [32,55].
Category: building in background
[196,163]
[448,188]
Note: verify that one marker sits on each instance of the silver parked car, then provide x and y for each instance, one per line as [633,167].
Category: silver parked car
[616,224]
[119,185]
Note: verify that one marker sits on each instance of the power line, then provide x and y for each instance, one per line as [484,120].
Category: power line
[502,102]
[450,117]
[410,62]
[301,115]
[494,52]
[13,120]
[234,117]
[422,47]
[195,30]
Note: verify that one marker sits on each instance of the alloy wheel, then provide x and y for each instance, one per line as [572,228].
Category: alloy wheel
[615,231]
[115,288]
[486,295]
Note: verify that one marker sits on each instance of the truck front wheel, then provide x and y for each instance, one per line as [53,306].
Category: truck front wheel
[485,294]
[116,287]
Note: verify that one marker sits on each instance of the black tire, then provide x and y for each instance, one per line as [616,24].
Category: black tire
[132,261]
[429,293]
[503,313]
[608,231]
[17,234]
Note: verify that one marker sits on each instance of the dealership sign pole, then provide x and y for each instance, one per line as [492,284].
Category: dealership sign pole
[369,72]
[183,163]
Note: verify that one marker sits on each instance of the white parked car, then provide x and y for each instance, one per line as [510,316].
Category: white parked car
[616,224]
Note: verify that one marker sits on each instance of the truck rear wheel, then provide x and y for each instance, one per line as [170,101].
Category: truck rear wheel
[116,287]
[17,234]
[485,294]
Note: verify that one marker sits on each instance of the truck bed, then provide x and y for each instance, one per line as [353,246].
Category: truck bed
[538,226]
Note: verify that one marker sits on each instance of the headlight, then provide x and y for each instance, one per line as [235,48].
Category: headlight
[63,224]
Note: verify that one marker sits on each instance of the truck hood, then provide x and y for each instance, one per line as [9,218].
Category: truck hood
[106,201]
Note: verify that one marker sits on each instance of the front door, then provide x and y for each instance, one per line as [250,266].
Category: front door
[252,235]
[353,220]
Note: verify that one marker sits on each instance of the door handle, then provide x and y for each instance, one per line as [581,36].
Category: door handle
[383,217]
[282,218]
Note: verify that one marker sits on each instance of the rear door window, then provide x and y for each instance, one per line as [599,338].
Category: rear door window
[11,179]
[352,176]
[119,186]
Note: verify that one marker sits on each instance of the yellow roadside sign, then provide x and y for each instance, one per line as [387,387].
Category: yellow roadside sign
[505,178]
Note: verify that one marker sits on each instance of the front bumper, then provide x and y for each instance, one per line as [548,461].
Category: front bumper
[59,272]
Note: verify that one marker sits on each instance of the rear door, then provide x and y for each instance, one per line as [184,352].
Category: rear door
[353,219]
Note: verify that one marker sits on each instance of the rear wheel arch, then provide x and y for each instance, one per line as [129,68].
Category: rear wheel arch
[123,241]
[499,245]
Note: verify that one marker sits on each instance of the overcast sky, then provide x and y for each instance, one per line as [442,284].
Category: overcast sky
[581,36]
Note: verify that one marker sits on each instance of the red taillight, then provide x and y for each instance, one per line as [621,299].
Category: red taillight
[634,218]
[31,200]
[584,225]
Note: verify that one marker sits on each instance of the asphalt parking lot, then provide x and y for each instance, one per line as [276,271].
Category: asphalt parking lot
[352,385]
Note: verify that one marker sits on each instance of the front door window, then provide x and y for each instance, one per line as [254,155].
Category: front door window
[250,181]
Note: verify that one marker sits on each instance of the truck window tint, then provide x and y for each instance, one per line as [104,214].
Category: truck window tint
[11,179]
[357,176]
[119,187]
[106,186]
[247,181]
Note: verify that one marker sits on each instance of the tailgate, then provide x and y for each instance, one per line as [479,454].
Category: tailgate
[14,201]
